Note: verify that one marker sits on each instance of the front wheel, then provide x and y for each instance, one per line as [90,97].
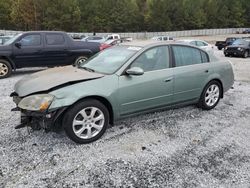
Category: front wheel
[211,95]
[5,69]
[86,121]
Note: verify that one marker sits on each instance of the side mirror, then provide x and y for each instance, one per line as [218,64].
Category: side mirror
[18,44]
[135,71]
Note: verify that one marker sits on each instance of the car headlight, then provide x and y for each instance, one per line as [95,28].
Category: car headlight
[240,49]
[36,102]
[225,48]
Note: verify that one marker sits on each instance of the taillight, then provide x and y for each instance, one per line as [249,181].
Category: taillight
[104,46]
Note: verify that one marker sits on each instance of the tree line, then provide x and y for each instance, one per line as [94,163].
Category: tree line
[123,15]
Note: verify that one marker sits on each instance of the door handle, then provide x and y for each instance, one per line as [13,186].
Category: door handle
[168,80]
[206,71]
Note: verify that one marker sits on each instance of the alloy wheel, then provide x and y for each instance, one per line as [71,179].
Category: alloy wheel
[88,123]
[212,95]
[3,69]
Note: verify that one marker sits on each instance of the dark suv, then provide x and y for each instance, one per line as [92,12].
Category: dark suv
[43,48]
[240,48]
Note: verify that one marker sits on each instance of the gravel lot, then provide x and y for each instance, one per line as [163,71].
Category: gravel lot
[184,147]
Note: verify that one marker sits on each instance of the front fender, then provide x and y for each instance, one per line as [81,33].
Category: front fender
[105,87]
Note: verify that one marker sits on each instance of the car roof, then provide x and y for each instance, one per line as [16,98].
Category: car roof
[43,32]
[144,43]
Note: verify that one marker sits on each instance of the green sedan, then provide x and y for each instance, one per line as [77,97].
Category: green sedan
[121,81]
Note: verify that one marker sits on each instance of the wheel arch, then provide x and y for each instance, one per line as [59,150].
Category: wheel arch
[104,101]
[13,66]
[221,84]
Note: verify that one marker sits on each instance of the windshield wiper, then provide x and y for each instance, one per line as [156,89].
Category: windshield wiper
[88,69]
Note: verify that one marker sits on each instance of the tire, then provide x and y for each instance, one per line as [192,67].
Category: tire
[90,127]
[5,69]
[246,54]
[211,95]
[219,48]
[80,60]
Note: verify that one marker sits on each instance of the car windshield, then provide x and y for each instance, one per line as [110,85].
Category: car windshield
[110,60]
[239,42]
[10,41]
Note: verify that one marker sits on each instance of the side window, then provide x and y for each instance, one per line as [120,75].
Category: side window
[186,56]
[31,40]
[55,39]
[193,43]
[153,59]
[1,41]
[171,38]
[200,43]
[204,57]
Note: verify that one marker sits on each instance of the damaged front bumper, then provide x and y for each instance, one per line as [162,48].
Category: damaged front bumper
[40,120]
[48,120]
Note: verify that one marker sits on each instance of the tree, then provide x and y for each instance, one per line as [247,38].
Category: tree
[5,9]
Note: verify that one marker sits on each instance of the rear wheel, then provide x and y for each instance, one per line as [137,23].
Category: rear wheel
[5,69]
[86,121]
[80,60]
[246,54]
[211,95]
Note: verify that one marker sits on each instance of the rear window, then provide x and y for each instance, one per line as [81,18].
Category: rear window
[185,55]
[55,39]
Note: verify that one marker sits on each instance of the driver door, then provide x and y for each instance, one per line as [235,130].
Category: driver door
[30,53]
[151,90]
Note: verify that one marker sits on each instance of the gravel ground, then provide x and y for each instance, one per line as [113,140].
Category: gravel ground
[184,147]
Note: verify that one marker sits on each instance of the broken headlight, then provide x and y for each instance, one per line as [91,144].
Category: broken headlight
[36,102]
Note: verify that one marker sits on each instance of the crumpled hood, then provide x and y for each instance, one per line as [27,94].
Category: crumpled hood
[51,78]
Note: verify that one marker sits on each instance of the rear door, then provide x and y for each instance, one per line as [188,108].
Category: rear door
[151,90]
[191,72]
[56,49]
[29,54]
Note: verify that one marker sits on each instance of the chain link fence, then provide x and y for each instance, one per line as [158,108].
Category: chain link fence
[147,35]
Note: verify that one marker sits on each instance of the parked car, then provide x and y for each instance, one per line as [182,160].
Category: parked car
[240,48]
[43,48]
[98,39]
[101,39]
[222,44]
[4,39]
[199,43]
[114,42]
[119,82]
[247,31]
[112,37]
[163,38]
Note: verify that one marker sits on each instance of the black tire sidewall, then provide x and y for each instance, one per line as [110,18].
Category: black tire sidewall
[9,67]
[71,113]
[202,102]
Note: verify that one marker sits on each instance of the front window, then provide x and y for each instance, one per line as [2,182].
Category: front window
[156,58]
[110,60]
[31,40]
